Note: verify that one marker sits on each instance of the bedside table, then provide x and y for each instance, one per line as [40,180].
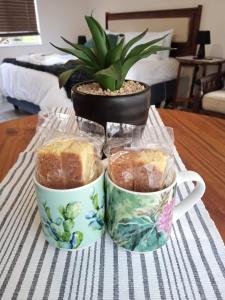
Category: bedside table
[190,61]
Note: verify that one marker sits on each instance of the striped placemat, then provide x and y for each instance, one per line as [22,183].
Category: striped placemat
[189,266]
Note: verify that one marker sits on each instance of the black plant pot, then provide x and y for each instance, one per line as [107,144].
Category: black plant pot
[130,109]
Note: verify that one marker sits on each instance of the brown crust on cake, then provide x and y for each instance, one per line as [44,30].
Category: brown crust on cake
[49,170]
[136,170]
[65,164]
[121,169]
[72,170]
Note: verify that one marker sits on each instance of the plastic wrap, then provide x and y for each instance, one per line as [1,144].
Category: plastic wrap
[121,135]
[69,151]
[139,161]
[58,125]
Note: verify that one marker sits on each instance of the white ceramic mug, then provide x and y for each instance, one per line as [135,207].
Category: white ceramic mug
[72,218]
[142,221]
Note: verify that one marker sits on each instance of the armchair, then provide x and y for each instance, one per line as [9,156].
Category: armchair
[210,98]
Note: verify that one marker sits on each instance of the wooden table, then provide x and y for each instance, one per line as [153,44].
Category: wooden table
[200,141]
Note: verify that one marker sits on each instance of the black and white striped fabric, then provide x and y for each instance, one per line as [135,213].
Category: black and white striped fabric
[189,266]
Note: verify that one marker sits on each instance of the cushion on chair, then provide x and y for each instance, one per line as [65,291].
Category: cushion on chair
[214,101]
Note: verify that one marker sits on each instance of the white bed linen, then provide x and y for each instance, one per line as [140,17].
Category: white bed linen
[38,87]
[42,88]
[152,71]
[46,60]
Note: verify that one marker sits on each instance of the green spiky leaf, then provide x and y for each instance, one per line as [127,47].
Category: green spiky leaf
[108,63]
[78,53]
[114,71]
[99,39]
[131,43]
[132,60]
[68,42]
[140,48]
[64,77]
[114,54]
[73,63]
[106,83]
[88,52]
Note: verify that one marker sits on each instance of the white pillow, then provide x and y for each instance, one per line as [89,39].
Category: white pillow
[166,42]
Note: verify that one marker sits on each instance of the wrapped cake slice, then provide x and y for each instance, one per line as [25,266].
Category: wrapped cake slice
[69,152]
[141,170]
[66,163]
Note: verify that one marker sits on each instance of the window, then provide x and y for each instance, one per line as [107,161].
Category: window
[18,22]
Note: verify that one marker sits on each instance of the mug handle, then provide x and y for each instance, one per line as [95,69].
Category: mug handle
[181,208]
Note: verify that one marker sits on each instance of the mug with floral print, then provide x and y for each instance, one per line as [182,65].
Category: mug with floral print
[142,221]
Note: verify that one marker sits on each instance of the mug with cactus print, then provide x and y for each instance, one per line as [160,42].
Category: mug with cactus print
[72,218]
[142,222]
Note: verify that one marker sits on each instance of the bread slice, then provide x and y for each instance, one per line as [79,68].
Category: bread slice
[66,163]
[141,171]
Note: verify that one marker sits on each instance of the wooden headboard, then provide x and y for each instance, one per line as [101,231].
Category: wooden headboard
[185,22]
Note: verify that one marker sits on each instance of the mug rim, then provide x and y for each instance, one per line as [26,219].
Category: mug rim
[68,190]
[142,193]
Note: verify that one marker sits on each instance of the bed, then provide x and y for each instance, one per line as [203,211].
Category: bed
[31,84]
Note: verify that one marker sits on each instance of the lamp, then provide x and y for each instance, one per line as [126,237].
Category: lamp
[203,38]
[81,39]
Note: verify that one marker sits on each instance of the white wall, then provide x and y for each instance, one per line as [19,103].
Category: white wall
[212,15]
[66,18]
[56,17]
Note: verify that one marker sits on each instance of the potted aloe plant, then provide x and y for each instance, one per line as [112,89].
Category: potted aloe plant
[109,97]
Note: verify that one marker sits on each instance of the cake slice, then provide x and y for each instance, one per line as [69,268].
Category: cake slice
[66,163]
[140,171]
[149,170]
[121,169]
